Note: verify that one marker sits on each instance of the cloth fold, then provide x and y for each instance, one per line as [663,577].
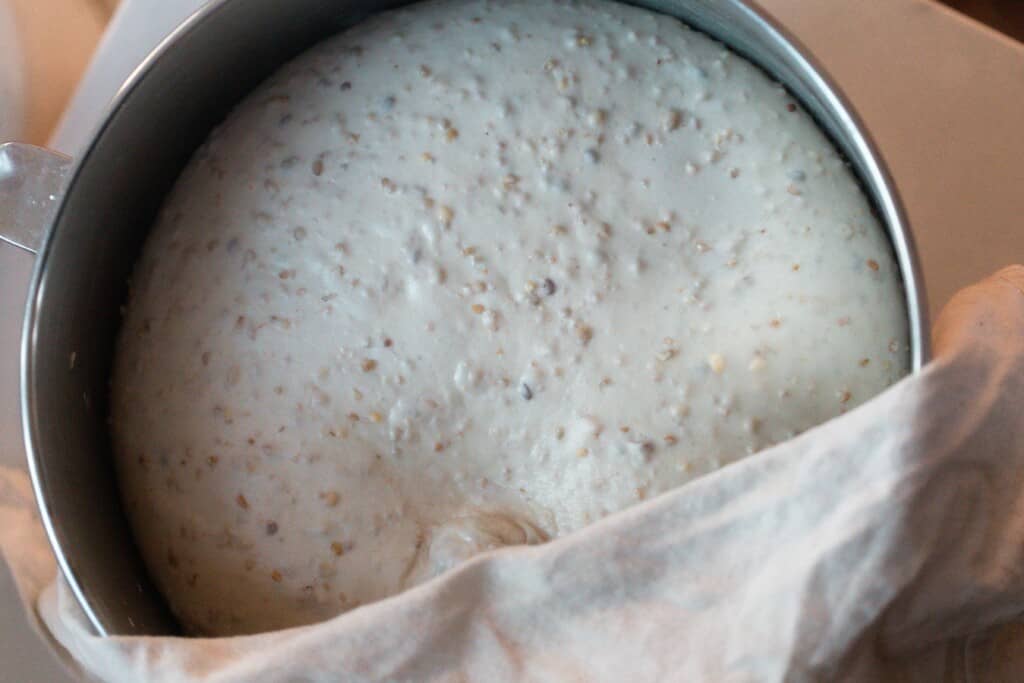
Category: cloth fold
[887,544]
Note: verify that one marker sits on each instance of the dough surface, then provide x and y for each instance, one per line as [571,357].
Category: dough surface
[474,274]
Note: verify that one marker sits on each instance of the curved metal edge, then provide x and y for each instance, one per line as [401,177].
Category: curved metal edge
[30,421]
[903,244]
[892,207]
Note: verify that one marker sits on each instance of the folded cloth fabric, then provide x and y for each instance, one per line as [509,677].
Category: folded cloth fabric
[884,545]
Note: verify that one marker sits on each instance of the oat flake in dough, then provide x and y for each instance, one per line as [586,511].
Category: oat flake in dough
[475,274]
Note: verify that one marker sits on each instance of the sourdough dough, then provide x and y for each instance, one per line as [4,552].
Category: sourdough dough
[474,274]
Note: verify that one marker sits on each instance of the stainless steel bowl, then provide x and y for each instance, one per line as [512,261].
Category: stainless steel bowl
[88,220]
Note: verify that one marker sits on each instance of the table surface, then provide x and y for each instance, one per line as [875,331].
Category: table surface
[943,96]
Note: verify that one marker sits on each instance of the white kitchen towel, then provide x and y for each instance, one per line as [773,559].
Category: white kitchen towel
[887,544]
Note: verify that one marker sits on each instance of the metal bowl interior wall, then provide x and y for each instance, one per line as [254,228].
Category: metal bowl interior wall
[160,116]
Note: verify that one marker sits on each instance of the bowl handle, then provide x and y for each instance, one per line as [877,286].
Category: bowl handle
[32,183]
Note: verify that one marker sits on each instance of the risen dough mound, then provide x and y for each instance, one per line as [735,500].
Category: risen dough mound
[474,274]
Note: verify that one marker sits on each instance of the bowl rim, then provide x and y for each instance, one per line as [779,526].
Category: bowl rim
[879,176]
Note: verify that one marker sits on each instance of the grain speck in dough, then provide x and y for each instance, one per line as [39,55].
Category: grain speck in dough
[416,299]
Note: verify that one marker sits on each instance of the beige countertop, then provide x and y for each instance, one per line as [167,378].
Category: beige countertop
[943,96]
